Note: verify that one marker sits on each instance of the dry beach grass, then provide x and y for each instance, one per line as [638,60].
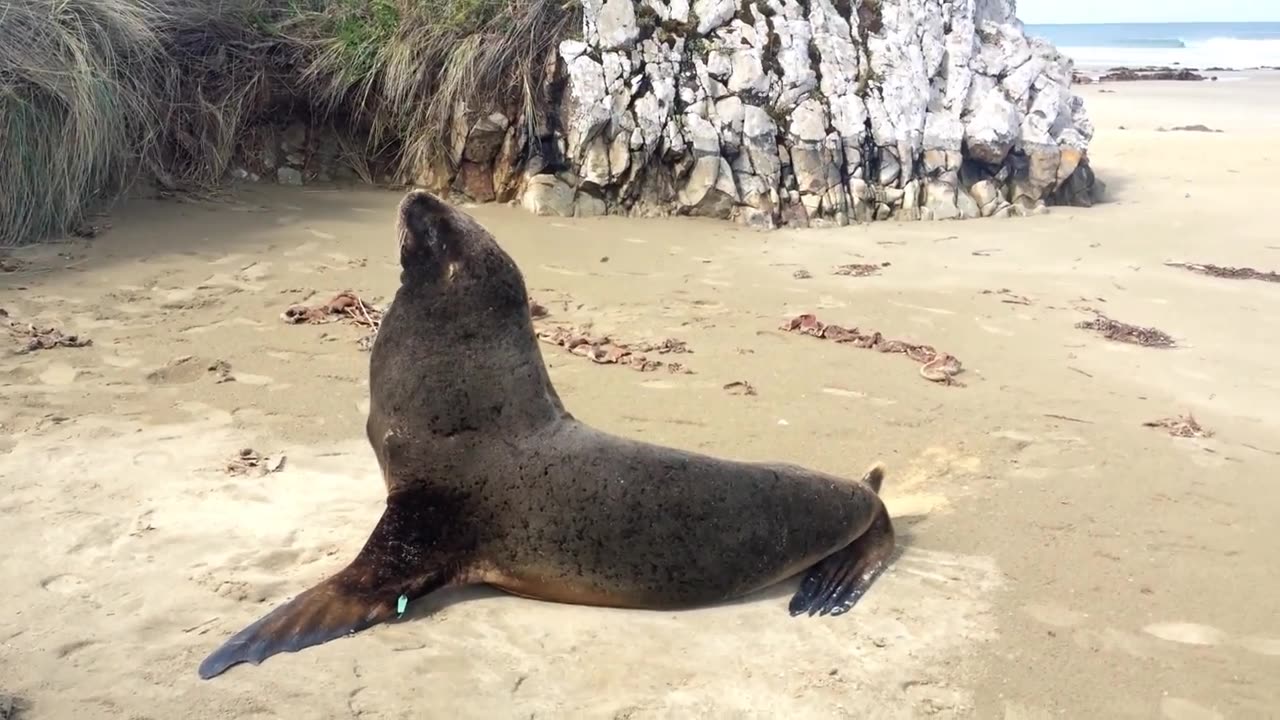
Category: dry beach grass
[95,94]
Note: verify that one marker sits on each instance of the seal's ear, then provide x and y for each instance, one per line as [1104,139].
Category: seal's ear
[425,224]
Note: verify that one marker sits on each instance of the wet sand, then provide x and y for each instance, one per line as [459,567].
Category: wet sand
[1058,557]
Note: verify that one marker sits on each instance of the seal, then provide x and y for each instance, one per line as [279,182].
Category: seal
[491,480]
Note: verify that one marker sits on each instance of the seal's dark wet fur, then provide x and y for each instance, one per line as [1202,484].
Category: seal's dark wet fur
[490,480]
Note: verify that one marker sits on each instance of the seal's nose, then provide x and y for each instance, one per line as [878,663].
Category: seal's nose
[424,223]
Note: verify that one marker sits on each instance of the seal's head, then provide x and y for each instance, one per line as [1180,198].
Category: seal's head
[448,259]
[456,352]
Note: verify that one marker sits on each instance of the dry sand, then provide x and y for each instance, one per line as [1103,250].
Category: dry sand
[1059,559]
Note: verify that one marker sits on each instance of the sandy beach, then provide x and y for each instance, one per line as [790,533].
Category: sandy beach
[1058,557]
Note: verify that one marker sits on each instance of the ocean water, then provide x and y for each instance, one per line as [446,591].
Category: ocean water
[1201,45]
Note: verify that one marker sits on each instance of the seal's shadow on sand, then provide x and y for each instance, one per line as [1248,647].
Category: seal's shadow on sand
[780,591]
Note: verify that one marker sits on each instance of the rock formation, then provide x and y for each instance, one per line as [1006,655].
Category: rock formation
[814,111]
[787,112]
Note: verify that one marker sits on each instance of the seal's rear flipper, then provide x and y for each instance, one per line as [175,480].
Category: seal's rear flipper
[836,583]
[874,477]
[403,557]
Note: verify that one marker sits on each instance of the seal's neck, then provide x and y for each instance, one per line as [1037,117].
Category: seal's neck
[447,367]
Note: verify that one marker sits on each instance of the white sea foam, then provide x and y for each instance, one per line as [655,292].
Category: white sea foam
[1232,53]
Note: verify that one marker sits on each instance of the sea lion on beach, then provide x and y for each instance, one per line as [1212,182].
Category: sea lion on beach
[490,480]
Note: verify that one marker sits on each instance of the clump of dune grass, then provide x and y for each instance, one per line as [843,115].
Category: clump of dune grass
[411,66]
[75,108]
[95,94]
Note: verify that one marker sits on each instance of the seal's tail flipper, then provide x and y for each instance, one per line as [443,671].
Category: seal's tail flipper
[836,583]
[397,562]
[874,477]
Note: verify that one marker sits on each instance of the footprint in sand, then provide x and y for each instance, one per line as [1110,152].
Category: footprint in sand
[910,492]
[276,561]
[66,650]
[205,412]
[1186,633]
[1193,374]
[251,379]
[63,584]
[153,458]
[1175,708]
[224,284]
[936,311]
[179,371]
[995,330]
[178,296]
[59,374]
[229,322]
[915,505]
[561,270]
[1261,645]
[307,248]
[842,392]
[254,272]
[1106,639]
[1055,615]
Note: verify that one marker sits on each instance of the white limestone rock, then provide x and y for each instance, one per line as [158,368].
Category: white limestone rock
[787,110]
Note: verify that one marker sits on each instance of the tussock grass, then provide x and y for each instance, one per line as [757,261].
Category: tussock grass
[95,94]
[408,66]
[75,107]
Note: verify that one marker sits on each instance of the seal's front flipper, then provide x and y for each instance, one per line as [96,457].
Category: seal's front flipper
[836,583]
[406,556]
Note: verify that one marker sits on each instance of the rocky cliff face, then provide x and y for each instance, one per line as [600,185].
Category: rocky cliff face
[803,112]
[778,112]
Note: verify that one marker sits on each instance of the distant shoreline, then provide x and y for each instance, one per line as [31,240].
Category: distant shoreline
[1202,45]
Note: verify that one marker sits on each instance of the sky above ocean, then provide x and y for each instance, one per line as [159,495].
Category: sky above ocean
[1147,11]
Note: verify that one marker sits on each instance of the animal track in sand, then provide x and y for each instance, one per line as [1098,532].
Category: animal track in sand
[935,311]
[909,493]
[561,270]
[1154,638]
[307,248]
[1186,633]
[1176,708]
[254,272]
[66,650]
[119,361]
[63,584]
[859,395]
[992,329]
[181,370]
[59,373]
[229,322]
[277,560]
[1055,615]
[1260,645]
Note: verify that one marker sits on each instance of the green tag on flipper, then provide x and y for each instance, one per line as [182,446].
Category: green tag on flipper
[401,604]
